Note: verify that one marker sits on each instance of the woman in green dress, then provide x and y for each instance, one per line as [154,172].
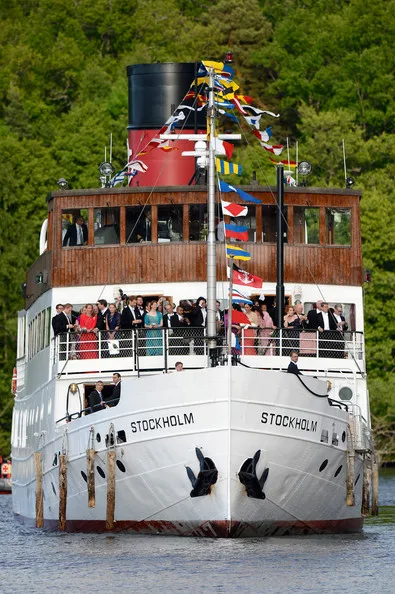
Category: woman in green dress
[153,323]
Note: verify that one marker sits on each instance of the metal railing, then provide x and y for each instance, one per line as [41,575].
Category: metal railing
[308,343]
[143,344]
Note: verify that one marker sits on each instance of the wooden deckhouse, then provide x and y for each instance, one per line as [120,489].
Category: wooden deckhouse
[323,238]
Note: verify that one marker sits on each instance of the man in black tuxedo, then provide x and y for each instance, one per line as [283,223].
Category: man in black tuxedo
[102,316]
[183,336]
[312,319]
[131,318]
[116,392]
[172,322]
[59,308]
[198,319]
[76,234]
[220,323]
[96,400]
[63,324]
[328,333]
[170,318]
[140,306]
[292,367]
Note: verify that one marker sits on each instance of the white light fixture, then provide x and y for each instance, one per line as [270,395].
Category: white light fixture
[62,183]
[304,168]
[106,168]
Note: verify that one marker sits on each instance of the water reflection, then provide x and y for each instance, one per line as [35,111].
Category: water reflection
[38,561]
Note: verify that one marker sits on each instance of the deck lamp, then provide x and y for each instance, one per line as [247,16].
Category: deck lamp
[349,182]
[106,171]
[106,168]
[304,169]
[63,183]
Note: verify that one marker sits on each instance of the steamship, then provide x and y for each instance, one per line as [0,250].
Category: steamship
[232,446]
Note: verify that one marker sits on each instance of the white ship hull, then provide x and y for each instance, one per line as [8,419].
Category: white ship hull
[229,414]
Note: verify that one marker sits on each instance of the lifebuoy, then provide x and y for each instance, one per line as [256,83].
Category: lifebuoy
[14,381]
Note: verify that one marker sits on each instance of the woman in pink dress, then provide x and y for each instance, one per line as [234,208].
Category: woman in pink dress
[266,329]
[88,339]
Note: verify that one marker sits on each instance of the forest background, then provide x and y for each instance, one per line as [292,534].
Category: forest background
[326,67]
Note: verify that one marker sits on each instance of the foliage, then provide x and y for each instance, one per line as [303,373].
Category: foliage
[326,67]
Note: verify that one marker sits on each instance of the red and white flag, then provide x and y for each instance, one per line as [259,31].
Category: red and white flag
[224,148]
[246,279]
[234,210]
[276,149]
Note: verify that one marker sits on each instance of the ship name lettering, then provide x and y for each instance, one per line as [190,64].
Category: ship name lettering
[162,422]
[287,421]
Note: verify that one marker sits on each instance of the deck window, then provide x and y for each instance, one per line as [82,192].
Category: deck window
[306,225]
[106,222]
[170,223]
[250,222]
[138,224]
[338,226]
[198,222]
[269,224]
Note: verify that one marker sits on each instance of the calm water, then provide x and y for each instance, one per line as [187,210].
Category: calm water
[34,561]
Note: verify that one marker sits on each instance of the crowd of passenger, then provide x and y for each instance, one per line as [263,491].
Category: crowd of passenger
[254,327]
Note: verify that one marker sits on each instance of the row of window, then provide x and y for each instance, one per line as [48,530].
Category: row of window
[39,332]
[170,224]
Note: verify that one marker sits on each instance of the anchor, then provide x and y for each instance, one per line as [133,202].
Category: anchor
[207,476]
[249,479]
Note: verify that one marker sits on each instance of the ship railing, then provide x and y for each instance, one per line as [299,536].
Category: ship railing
[142,348]
[160,348]
[308,343]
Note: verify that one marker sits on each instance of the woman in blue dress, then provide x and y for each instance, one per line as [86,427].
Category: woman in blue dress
[153,323]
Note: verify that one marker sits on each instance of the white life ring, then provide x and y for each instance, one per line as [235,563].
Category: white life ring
[43,236]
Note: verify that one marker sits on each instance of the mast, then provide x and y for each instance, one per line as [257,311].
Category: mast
[280,246]
[211,245]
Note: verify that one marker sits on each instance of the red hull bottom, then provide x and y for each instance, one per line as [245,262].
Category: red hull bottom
[210,529]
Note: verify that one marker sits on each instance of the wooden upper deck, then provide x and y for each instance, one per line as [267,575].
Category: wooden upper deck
[313,253]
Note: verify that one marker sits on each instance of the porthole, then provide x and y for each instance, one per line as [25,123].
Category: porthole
[338,471]
[345,393]
[84,476]
[323,465]
[98,437]
[101,472]
[121,466]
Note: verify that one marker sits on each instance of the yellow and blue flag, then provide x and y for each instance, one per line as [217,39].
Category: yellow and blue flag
[225,168]
[237,253]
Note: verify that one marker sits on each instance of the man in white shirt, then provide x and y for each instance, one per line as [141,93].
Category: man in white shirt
[327,328]
[340,319]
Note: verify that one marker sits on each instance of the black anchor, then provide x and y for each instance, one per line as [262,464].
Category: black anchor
[249,478]
[208,475]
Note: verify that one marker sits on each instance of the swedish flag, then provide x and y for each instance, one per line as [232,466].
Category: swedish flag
[225,168]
